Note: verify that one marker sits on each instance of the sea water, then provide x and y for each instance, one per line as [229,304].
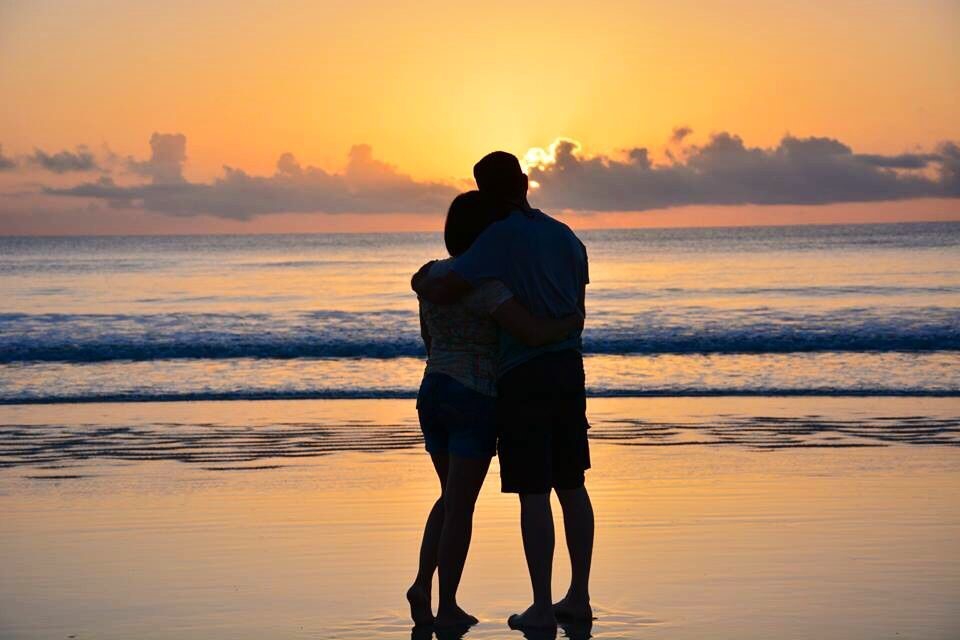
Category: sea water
[798,310]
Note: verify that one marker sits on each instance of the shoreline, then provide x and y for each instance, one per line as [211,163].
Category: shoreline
[431,230]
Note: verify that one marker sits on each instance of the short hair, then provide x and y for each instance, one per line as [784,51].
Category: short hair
[498,174]
[469,215]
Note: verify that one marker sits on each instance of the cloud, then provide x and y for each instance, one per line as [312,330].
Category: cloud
[168,153]
[367,185]
[65,161]
[679,133]
[724,171]
[901,161]
[6,163]
[949,169]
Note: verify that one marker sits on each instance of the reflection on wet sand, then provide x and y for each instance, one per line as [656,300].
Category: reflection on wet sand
[616,624]
[227,446]
[239,521]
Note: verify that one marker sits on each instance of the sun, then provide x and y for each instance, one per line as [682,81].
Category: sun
[537,157]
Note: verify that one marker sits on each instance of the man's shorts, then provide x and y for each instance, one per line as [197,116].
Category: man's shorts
[542,424]
[456,419]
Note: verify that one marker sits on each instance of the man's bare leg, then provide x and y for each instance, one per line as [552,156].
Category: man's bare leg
[536,527]
[578,527]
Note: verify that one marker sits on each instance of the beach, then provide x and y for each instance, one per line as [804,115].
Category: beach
[717,517]
[709,251]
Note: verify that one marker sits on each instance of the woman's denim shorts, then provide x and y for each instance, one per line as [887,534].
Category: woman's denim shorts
[456,419]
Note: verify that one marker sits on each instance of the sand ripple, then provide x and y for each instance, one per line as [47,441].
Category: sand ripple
[228,447]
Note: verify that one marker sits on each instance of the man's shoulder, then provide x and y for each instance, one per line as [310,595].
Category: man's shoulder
[533,223]
[560,227]
[513,225]
[543,216]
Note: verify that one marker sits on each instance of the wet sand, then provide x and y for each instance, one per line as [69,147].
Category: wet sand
[717,517]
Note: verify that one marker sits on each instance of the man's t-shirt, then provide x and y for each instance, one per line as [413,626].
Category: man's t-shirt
[542,262]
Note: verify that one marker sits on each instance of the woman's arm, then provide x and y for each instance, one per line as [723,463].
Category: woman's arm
[425,332]
[534,331]
[445,289]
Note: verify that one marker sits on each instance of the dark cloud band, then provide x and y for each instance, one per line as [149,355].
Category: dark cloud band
[6,164]
[366,186]
[727,172]
[724,171]
[65,161]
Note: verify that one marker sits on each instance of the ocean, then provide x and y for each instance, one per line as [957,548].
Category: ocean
[838,310]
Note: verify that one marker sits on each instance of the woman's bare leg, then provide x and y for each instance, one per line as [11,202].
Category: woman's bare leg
[464,480]
[418,595]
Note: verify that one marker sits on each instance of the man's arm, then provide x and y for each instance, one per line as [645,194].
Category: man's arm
[445,289]
[586,281]
[535,331]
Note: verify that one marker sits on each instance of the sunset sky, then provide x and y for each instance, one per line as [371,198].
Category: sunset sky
[189,117]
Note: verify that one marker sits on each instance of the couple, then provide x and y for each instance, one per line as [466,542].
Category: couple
[501,320]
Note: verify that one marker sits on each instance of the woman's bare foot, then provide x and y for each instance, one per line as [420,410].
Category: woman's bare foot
[573,609]
[453,617]
[419,600]
[535,617]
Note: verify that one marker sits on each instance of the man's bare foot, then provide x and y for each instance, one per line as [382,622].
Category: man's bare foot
[419,600]
[453,617]
[573,609]
[534,617]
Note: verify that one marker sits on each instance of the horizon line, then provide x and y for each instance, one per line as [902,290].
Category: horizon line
[440,231]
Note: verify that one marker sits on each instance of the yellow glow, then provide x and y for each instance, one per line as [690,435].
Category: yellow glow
[433,86]
[537,157]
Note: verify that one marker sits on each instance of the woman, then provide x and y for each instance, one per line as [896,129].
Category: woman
[456,405]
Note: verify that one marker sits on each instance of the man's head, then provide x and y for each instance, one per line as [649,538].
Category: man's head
[499,175]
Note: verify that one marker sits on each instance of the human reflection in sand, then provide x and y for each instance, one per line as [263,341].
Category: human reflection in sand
[426,632]
[570,630]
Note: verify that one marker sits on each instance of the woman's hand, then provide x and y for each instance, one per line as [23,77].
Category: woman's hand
[416,282]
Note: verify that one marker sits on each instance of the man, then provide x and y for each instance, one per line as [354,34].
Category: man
[541,401]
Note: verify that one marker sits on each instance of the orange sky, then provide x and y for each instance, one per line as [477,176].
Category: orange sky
[432,87]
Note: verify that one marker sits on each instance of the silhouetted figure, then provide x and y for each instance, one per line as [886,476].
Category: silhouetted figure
[456,404]
[541,400]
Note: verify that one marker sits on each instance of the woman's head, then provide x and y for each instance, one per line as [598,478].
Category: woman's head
[469,214]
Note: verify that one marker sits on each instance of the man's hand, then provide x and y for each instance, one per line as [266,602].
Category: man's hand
[416,282]
[578,320]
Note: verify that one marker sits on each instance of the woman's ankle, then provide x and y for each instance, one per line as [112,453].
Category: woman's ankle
[423,586]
